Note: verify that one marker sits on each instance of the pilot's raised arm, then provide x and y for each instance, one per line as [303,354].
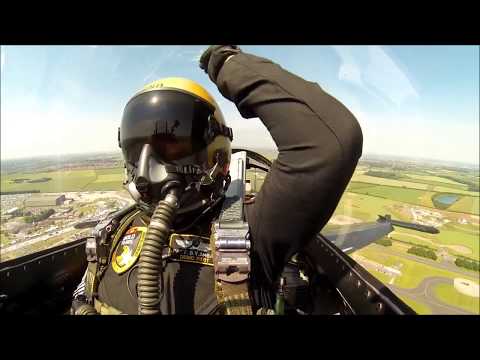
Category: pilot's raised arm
[319,143]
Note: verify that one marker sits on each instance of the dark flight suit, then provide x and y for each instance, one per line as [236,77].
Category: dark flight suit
[319,143]
[189,287]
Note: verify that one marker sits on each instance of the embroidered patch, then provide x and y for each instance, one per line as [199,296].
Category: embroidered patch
[128,249]
[190,248]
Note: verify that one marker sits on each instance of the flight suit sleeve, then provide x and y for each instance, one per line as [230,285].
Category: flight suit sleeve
[319,143]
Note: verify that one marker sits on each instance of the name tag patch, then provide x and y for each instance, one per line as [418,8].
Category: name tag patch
[190,248]
[128,249]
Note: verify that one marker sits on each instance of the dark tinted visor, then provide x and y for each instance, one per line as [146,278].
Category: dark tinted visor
[174,123]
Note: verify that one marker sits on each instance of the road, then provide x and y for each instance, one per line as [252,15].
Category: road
[424,293]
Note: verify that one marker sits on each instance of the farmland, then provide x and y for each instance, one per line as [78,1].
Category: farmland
[412,193]
[415,194]
[449,294]
[65,181]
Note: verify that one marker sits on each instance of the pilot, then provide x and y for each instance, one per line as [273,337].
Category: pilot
[170,253]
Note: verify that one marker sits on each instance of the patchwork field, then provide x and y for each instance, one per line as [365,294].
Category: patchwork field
[410,199]
[411,196]
[390,182]
[435,179]
[466,204]
[63,181]
[404,194]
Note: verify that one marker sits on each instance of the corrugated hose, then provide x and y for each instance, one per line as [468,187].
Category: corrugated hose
[150,262]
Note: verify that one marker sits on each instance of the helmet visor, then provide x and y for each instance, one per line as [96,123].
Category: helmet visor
[174,123]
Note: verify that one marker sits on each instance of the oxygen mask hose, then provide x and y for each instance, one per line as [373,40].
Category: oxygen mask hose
[150,262]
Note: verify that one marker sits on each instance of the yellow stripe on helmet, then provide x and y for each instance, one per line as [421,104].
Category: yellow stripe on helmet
[181,84]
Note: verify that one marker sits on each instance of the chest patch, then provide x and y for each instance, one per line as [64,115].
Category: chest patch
[128,249]
[190,248]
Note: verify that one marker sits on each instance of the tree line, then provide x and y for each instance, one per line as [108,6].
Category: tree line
[384,241]
[421,251]
[382,174]
[468,264]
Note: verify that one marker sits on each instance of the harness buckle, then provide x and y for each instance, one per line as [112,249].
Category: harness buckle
[232,254]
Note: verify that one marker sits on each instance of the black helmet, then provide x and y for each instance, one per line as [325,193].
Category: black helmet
[173,125]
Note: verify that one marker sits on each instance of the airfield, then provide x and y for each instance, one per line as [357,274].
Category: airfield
[410,193]
[428,286]
[438,196]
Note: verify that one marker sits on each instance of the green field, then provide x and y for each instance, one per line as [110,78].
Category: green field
[431,183]
[420,182]
[4,240]
[63,181]
[450,236]
[390,182]
[455,191]
[467,204]
[434,179]
[363,207]
[418,307]
[466,228]
[437,183]
[413,237]
[366,208]
[411,196]
[449,295]
[353,185]
[109,178]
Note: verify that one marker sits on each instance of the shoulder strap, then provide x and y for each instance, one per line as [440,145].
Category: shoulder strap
[99,246]
[231,246]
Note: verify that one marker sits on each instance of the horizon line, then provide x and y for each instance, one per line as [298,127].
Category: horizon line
[363,157]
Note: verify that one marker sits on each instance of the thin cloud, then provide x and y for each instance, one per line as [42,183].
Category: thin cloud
[174,55]
[373,70]
[386,76]
[155,67]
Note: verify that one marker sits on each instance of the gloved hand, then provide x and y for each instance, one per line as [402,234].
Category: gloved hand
[81,307]
[214,57]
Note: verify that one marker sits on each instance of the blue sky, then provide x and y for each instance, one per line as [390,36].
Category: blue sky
[420,101]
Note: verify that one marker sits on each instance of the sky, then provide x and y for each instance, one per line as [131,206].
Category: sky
[414,101]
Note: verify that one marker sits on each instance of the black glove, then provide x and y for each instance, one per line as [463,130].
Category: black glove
[214,57]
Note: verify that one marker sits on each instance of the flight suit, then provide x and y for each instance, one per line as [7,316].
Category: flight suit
[319,143]
[188,284]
